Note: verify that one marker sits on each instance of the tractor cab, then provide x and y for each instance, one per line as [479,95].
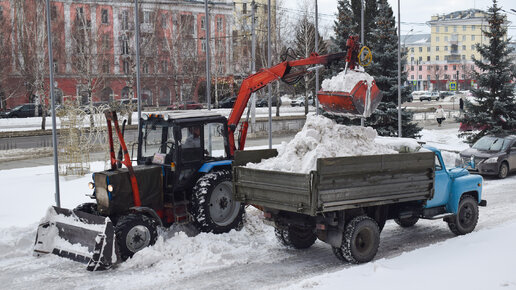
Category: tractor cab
[182,143]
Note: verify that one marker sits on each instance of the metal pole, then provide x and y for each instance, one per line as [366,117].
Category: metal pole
[208,61]
[399,73]
[316,51]
[53,105]
[137,47]
[269,65]
[362,41]
[253,63]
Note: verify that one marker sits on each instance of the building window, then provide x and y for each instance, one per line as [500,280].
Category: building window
[436,57]
[437,48]
[472,67]
[473,27]
[125,46]
[219,24]
[464,38]
[105,41]
[445,67]
[428,49]
[164,18]
[126,67]
[56,66]
[411,49]
[472,37]
[472,56]
[412,59]
[464,27]
[203,45]
[428,58]
[125,20]
[420,49]
[446,48]
[436,67]
[412,77]
[428,77]
[145,69]
[437,38]
[446,38]
[463,47]
[203,22]
[53,13]
[463,57]
[146,17]
[420,77]
[437,29]
[454,67]
[420,59]
[187,24]
[446,29]
[104,16]
[105,67]
[455,28]
[411,68]
[463,76]
[244,8]
[472,47]
[164,66]
[420,68]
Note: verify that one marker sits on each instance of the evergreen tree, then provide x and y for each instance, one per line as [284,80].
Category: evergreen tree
[496,107]
[384,68]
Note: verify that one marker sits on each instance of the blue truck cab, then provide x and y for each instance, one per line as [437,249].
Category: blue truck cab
[457,195]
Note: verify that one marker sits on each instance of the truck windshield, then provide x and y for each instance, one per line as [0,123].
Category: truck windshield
[157,138]
[488,143]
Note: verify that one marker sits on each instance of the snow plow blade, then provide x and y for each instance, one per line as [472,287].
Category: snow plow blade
[360,102]
[79,236]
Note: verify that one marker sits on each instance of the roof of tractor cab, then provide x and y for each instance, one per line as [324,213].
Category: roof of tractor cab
[187,117]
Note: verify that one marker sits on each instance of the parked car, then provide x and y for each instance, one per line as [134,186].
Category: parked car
[23,111]
[301,102]
[491,155]
[444,94]
[265,102]
[416,95]
[428,96]
[190,105]
[227,102]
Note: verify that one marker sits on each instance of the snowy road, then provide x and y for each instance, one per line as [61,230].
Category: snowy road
[252,258]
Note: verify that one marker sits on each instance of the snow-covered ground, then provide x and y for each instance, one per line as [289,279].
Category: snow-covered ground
[427,256]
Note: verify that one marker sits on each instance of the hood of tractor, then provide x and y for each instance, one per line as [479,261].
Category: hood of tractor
[114,192]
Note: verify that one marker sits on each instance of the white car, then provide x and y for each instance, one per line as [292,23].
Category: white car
[428,96]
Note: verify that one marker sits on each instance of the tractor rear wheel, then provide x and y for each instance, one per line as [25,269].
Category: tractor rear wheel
[133,233]
[213,206]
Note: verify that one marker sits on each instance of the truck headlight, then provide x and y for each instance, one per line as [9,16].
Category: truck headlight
[110,188]
[491,160]
[91,185]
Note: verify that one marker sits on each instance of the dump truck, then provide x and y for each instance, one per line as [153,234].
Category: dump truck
[346,201]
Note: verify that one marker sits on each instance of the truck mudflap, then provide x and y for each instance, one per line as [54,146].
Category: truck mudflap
[79,236]
[483,202]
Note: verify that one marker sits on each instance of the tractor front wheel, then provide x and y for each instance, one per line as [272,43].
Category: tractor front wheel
[213,206]
[133,233]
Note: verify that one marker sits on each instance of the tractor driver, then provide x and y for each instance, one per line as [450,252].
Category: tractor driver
[194,137]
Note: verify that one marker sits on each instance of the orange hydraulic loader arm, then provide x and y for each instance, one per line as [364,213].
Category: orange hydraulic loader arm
[260,79]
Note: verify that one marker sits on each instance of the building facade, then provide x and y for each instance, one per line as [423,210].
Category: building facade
[444,58]
[94,50]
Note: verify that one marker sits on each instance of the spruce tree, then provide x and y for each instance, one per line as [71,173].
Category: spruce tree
[384,68]
[495,108]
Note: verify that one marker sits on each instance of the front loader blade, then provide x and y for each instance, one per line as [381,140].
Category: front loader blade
[78,236]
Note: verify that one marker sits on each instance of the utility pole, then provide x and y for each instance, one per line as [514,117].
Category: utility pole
[137,46]
[253,62]
[53,104]
[269,65]
[362,41]
[399,73]
[316,51]
[208,76]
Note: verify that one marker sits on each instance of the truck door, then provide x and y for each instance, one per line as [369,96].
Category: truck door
[442,185]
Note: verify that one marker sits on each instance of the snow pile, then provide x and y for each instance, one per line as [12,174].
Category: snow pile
[346,81]
[322,138]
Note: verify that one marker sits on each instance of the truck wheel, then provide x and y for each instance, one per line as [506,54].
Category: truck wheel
[503,171]
[88,207]
[296,237]
[213,206]
[360,242]
[407,222]
[133,233]
[465,221]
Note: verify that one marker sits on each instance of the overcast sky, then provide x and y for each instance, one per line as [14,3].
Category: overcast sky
[414,13]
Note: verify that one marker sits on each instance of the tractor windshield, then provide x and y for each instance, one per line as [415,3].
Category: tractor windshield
[157,138]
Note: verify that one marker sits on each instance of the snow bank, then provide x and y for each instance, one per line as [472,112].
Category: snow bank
[345,82]
[322,138]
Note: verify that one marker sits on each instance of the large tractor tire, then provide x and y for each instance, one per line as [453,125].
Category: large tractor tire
[213,207]
[133,233]
[296,237]
[360,242]
[465,221]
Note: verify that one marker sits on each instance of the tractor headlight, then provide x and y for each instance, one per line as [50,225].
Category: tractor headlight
[491,160]
[91,185]
[110,188]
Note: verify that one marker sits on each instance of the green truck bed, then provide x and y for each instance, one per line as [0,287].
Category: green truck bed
[337,183]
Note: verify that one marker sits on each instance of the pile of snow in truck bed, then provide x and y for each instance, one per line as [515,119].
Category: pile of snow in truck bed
[323,138]
[346,81]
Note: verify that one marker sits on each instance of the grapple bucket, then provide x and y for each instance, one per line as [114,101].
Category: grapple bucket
[361,101]
[78,236]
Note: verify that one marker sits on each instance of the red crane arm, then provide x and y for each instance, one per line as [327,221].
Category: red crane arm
[262,78]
